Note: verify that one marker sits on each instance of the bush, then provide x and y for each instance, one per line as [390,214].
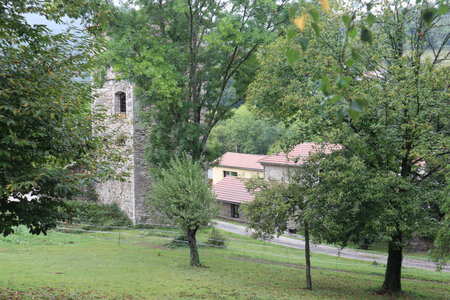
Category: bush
[215,239]
[97,214]
[178,242]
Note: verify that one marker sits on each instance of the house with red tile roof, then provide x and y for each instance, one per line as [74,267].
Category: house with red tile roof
[231,193]
[229,177]
[276,165]
[238,164]
[234,169]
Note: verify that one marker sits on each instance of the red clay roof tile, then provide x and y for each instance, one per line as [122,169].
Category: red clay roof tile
[241,161]
[298,155]
[232,189]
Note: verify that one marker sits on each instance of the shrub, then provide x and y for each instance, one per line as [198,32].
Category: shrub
[215,239]
[178,242]
[97,214]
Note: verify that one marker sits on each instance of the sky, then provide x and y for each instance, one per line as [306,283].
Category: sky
[35,19]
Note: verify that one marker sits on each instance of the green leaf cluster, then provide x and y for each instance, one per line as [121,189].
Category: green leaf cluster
[182,194]
[185,57]
[243,132]
[47,147]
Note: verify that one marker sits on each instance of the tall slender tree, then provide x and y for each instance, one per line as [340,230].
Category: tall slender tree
[292,200]
[183,56]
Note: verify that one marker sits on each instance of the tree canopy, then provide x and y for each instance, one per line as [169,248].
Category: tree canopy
[243,132]
[389,178]
[45,130]
[183,196]
[183,56]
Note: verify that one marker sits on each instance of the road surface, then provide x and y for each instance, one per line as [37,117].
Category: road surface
[330,250]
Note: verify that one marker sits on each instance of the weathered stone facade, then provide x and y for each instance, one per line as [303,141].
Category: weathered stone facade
[279,173]
[274,172]
[130,194]
[226,212]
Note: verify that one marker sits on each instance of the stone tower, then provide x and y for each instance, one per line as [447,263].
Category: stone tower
[118,99]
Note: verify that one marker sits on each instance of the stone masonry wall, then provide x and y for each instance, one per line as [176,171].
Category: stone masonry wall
[142,180]
[274,172]
[225,212]
[130,195]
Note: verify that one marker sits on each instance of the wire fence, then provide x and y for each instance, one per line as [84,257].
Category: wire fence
[241,248]
[163,235]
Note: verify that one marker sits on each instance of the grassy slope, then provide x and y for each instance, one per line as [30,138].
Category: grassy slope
[376,248]
[92,265]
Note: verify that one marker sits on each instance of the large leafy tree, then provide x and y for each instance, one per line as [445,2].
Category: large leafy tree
[45,130]
[243,132]
[182,195]
[183,57]
[389,178]
[356,23]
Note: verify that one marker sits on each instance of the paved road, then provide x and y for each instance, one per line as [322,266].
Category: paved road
[330,250]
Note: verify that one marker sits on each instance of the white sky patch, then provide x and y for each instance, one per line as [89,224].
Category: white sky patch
[28,196]
[35,19]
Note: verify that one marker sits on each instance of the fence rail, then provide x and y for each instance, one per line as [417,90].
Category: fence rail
[267,248]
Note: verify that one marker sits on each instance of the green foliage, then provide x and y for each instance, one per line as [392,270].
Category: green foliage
[185,58]
[441,251]
[183,195]
[389,178]
[216,239]
[268,213]
[244,133]
[47,146]
[97,214]
[358,16]
[180,241]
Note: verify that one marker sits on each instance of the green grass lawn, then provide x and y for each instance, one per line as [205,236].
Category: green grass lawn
[376,247]
[137,264]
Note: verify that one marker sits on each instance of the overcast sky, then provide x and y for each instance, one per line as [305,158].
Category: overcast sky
[35,19]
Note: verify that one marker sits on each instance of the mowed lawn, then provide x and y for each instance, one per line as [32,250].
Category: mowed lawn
[136,264]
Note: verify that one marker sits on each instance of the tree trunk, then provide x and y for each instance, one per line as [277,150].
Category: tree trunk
[307,258]
[195,259]
[392,279]
[364,245]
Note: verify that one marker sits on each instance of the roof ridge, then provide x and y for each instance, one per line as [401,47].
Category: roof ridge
[245,153]
[297,153]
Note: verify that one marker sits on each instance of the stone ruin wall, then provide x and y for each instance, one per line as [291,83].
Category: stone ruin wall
[142,181]
[130,194]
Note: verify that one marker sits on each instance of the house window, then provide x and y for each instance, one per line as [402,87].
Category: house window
[229,173]
[234,210]
[120,102]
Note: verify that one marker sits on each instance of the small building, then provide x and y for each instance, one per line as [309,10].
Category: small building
[239,165]
[231,193]
[276,165]
[235,169]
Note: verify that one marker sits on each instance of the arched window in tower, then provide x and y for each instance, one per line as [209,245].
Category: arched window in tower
[120,103]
